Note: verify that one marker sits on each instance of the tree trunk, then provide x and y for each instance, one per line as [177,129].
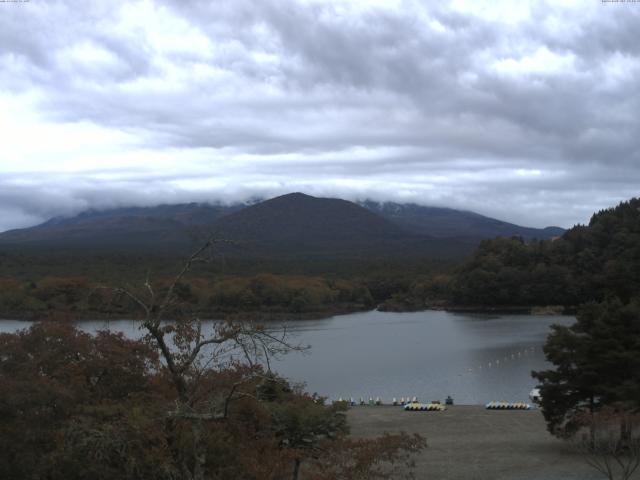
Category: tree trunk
[625,433]
[199,453]
[296,469]
[592,424]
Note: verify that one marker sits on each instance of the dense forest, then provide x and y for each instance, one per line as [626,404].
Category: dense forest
[265,295]
[71,286]
[587,263]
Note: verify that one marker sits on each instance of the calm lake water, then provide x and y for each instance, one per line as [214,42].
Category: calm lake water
[432,354]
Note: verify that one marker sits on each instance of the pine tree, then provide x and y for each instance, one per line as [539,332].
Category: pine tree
[597,363]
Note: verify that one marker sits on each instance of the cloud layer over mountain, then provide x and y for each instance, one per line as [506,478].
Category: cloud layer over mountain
[525,111]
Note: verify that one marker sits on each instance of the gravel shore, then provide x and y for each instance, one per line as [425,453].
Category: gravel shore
[472,443]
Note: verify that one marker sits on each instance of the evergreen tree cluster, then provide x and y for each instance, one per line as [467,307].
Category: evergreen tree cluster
[597,364]
[587,263]
[597,359]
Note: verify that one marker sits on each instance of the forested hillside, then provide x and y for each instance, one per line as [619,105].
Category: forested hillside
[449,223]
[587,263]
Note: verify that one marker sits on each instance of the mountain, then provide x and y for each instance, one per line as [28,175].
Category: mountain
[134,228]
[301,224]
[449,223]
[290,225]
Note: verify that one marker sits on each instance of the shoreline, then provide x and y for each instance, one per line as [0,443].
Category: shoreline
[266,316]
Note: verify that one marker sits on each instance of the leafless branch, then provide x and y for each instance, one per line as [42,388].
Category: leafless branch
[612,443]
[182,350]
[127,293]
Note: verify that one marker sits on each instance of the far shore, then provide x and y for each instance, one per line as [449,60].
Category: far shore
[280,316]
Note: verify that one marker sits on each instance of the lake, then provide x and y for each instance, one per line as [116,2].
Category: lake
[475,358]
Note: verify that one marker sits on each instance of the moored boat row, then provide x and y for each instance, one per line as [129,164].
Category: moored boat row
[425,407]
[508,406]
[395,402]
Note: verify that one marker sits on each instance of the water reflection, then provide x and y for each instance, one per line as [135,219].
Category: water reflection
[429,354]
[474,358]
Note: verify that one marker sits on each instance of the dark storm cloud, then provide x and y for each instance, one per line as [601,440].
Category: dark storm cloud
[529,117]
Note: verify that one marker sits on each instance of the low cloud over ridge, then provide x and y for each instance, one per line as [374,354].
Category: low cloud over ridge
[526,111]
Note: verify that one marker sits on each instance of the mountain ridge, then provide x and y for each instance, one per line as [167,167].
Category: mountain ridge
[290,224]
[444,222]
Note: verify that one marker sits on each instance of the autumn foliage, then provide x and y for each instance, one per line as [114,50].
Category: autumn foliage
[210,297]
[81,406]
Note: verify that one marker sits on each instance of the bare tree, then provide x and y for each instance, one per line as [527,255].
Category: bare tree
[610,442]
[189,351]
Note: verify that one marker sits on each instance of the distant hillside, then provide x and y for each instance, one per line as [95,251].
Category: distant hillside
[447,223]
[164,227]
[287,226]
[183,214]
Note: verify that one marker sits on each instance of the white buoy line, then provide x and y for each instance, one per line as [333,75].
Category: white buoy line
[492,364]
[498,362]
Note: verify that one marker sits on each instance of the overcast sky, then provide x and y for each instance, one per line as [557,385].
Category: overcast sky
[526,111]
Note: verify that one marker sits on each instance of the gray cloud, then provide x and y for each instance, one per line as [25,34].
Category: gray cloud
[532,120]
